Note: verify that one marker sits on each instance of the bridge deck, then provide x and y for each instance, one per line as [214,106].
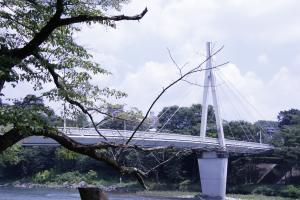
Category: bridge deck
[151,139]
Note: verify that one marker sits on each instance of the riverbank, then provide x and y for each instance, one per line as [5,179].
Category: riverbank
[184,190]
[119,187]
[129,189]
[13,193]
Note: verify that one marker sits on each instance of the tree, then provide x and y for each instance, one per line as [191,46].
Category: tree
[286,156]
[289,117]
[38,46]
[241,130]
[184,120]
[288,138]
[118,122]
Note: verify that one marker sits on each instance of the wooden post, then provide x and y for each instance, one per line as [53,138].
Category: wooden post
[92,194]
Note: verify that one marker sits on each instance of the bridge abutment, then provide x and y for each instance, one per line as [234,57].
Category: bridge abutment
[213,174]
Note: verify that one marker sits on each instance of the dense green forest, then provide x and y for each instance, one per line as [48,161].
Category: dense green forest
[274,173]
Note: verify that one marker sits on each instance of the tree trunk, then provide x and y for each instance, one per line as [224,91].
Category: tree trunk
[92,194]
[9,139]
[2,82]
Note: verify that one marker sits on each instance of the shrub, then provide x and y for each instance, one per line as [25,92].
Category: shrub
[91,175]
[42,177]
[290,191]
[265,190]
[188,185]
[241,189]
[162,186]
[72,177]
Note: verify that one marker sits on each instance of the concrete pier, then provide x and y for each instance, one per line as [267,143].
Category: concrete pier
[213,174]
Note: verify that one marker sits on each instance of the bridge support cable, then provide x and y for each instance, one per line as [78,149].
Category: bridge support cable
[242,99]
[163,126]
[160,116]
[246,131]
[237,114]
[227,124]
[245,100]
[230,130]
[237,109]
[153,134]
[209,80]
[240,107]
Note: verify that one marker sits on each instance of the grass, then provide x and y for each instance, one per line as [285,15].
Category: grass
[178,194]
[256,197]
[171,194]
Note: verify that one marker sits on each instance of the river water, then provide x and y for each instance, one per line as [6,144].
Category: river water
[8,193]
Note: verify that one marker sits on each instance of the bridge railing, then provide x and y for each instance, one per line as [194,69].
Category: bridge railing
[151,139]
[150,135]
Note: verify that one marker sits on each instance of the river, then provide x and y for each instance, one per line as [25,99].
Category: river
[9,193]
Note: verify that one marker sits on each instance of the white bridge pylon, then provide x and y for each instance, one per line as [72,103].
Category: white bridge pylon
[210,83]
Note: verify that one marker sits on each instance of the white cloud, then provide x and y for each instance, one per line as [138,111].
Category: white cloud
[254,32]
[263,58]
[244,96]
[147,82]
[255,98]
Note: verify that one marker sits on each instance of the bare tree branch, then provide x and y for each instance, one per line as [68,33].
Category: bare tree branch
[88,18]
[18,54]
[56,21]
[41,36]
[194,70]
[14,135]
[50,67]
[164,162]
[196,84]
[109,115]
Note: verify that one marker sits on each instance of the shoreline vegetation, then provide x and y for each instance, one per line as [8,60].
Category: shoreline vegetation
[73,180]
[271,174]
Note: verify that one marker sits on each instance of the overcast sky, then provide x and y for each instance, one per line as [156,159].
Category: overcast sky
[261,41]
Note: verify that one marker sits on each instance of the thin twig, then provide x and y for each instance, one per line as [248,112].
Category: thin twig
[196,69]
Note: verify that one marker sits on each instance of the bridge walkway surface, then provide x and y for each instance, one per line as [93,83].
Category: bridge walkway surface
[152,139]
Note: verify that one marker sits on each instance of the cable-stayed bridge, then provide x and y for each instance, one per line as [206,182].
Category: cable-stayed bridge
[212,152]
[151,139]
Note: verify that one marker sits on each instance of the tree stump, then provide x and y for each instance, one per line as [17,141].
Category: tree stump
[92,193]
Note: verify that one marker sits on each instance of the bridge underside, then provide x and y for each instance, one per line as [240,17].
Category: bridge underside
[152,139]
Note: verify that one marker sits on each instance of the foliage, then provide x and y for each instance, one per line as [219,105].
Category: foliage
[41,177]
[289,117]
[27,115]
[291,191]
[21,22]
[268,190]
[180,173]
[72,176]
[65,154]
[38,46]
[188,185]
[11,156]
[51,176]
[241,130]
[91,175]
[68,64]
[36,159]
[187,120]
[265,190]
[123,119]
[288,139]
[184,120]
